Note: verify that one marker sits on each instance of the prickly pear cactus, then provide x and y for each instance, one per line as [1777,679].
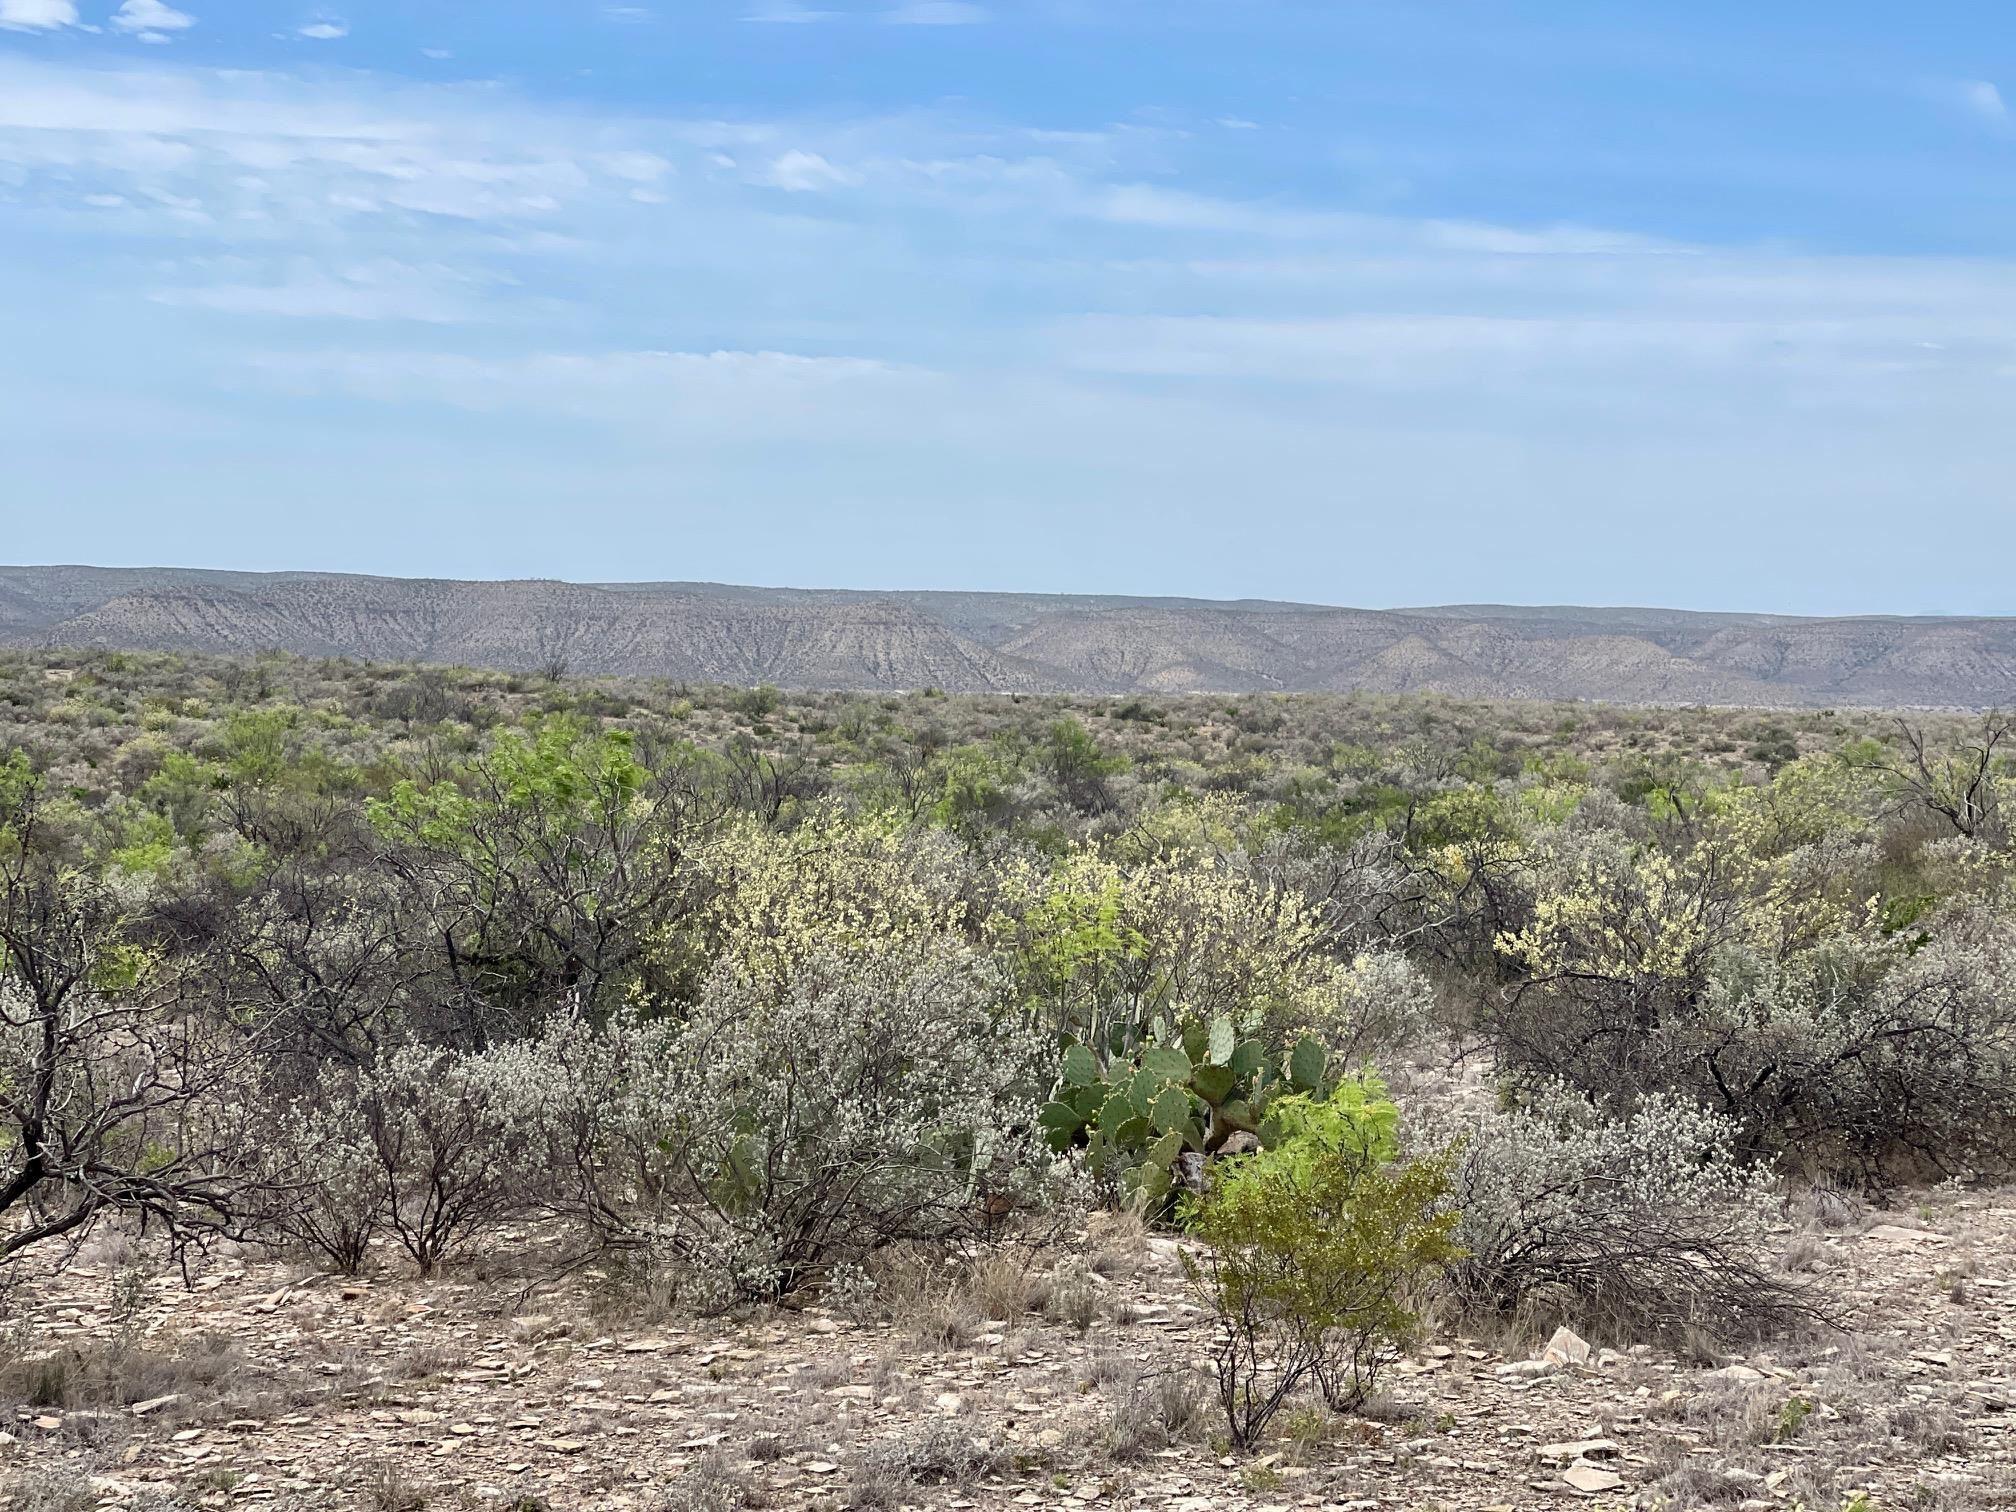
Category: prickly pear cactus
[1135,1116]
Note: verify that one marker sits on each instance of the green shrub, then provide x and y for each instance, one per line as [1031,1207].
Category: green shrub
[1317,1243]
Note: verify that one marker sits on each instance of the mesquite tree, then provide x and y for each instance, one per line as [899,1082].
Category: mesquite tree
[114,1088]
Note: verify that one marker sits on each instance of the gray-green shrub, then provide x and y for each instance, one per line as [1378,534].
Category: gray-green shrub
[1642,1219]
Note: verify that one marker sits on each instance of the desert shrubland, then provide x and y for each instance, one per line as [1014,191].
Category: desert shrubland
[758,999]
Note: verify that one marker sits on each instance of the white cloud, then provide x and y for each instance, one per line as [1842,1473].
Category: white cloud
[807,173]
[1982,98]
[37,15]
[266,206]
[325,31]
[151,20]
[269,151]
[1596,332]
[1461,350]
[936,13]
[790,15]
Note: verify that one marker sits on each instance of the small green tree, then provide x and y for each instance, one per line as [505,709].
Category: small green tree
[1079,766]
[1316,1244]
[545,864]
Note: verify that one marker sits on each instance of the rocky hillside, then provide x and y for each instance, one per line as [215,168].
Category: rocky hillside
[980,642]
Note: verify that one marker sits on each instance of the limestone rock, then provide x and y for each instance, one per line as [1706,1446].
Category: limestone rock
[1896,1233]
[1740,1373]
[1591,1479]
[1566,1348]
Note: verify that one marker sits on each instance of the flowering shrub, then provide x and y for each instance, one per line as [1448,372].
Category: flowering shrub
[1841,1031]
[331,1192]
[1377,1004]
[1833,1067]
[836,884]
[1104,950]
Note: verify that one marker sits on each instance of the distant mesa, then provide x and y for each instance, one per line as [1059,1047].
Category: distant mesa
[1023,643]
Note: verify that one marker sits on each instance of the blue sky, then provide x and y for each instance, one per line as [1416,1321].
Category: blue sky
[1379,304]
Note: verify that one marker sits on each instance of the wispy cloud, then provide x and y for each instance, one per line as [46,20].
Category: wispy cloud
[1984,99]
[274,158]
[326,30]
[936,13]
[1978,99]
[37,15]
[749,392]
[935,297]
[801,172]
[384,290]
[151,20]
[1560,351]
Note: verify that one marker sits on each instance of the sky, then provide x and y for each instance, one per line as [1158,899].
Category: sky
[1710,306]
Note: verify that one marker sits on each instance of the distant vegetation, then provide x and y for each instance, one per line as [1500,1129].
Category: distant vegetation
[1397,1002]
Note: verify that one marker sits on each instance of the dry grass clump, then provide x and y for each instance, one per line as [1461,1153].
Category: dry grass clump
[391,1489]
[1151,1410]
[1007,1286]
[941,1453]
[1117,1244]
[924,1299]
[942,1302]
[1003,1285]
[207,1370]
[1929,1426]
[1699,1481]
[713,1483]
[1073,1296]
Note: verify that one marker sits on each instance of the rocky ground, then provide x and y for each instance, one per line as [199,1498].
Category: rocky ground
[264,1384]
